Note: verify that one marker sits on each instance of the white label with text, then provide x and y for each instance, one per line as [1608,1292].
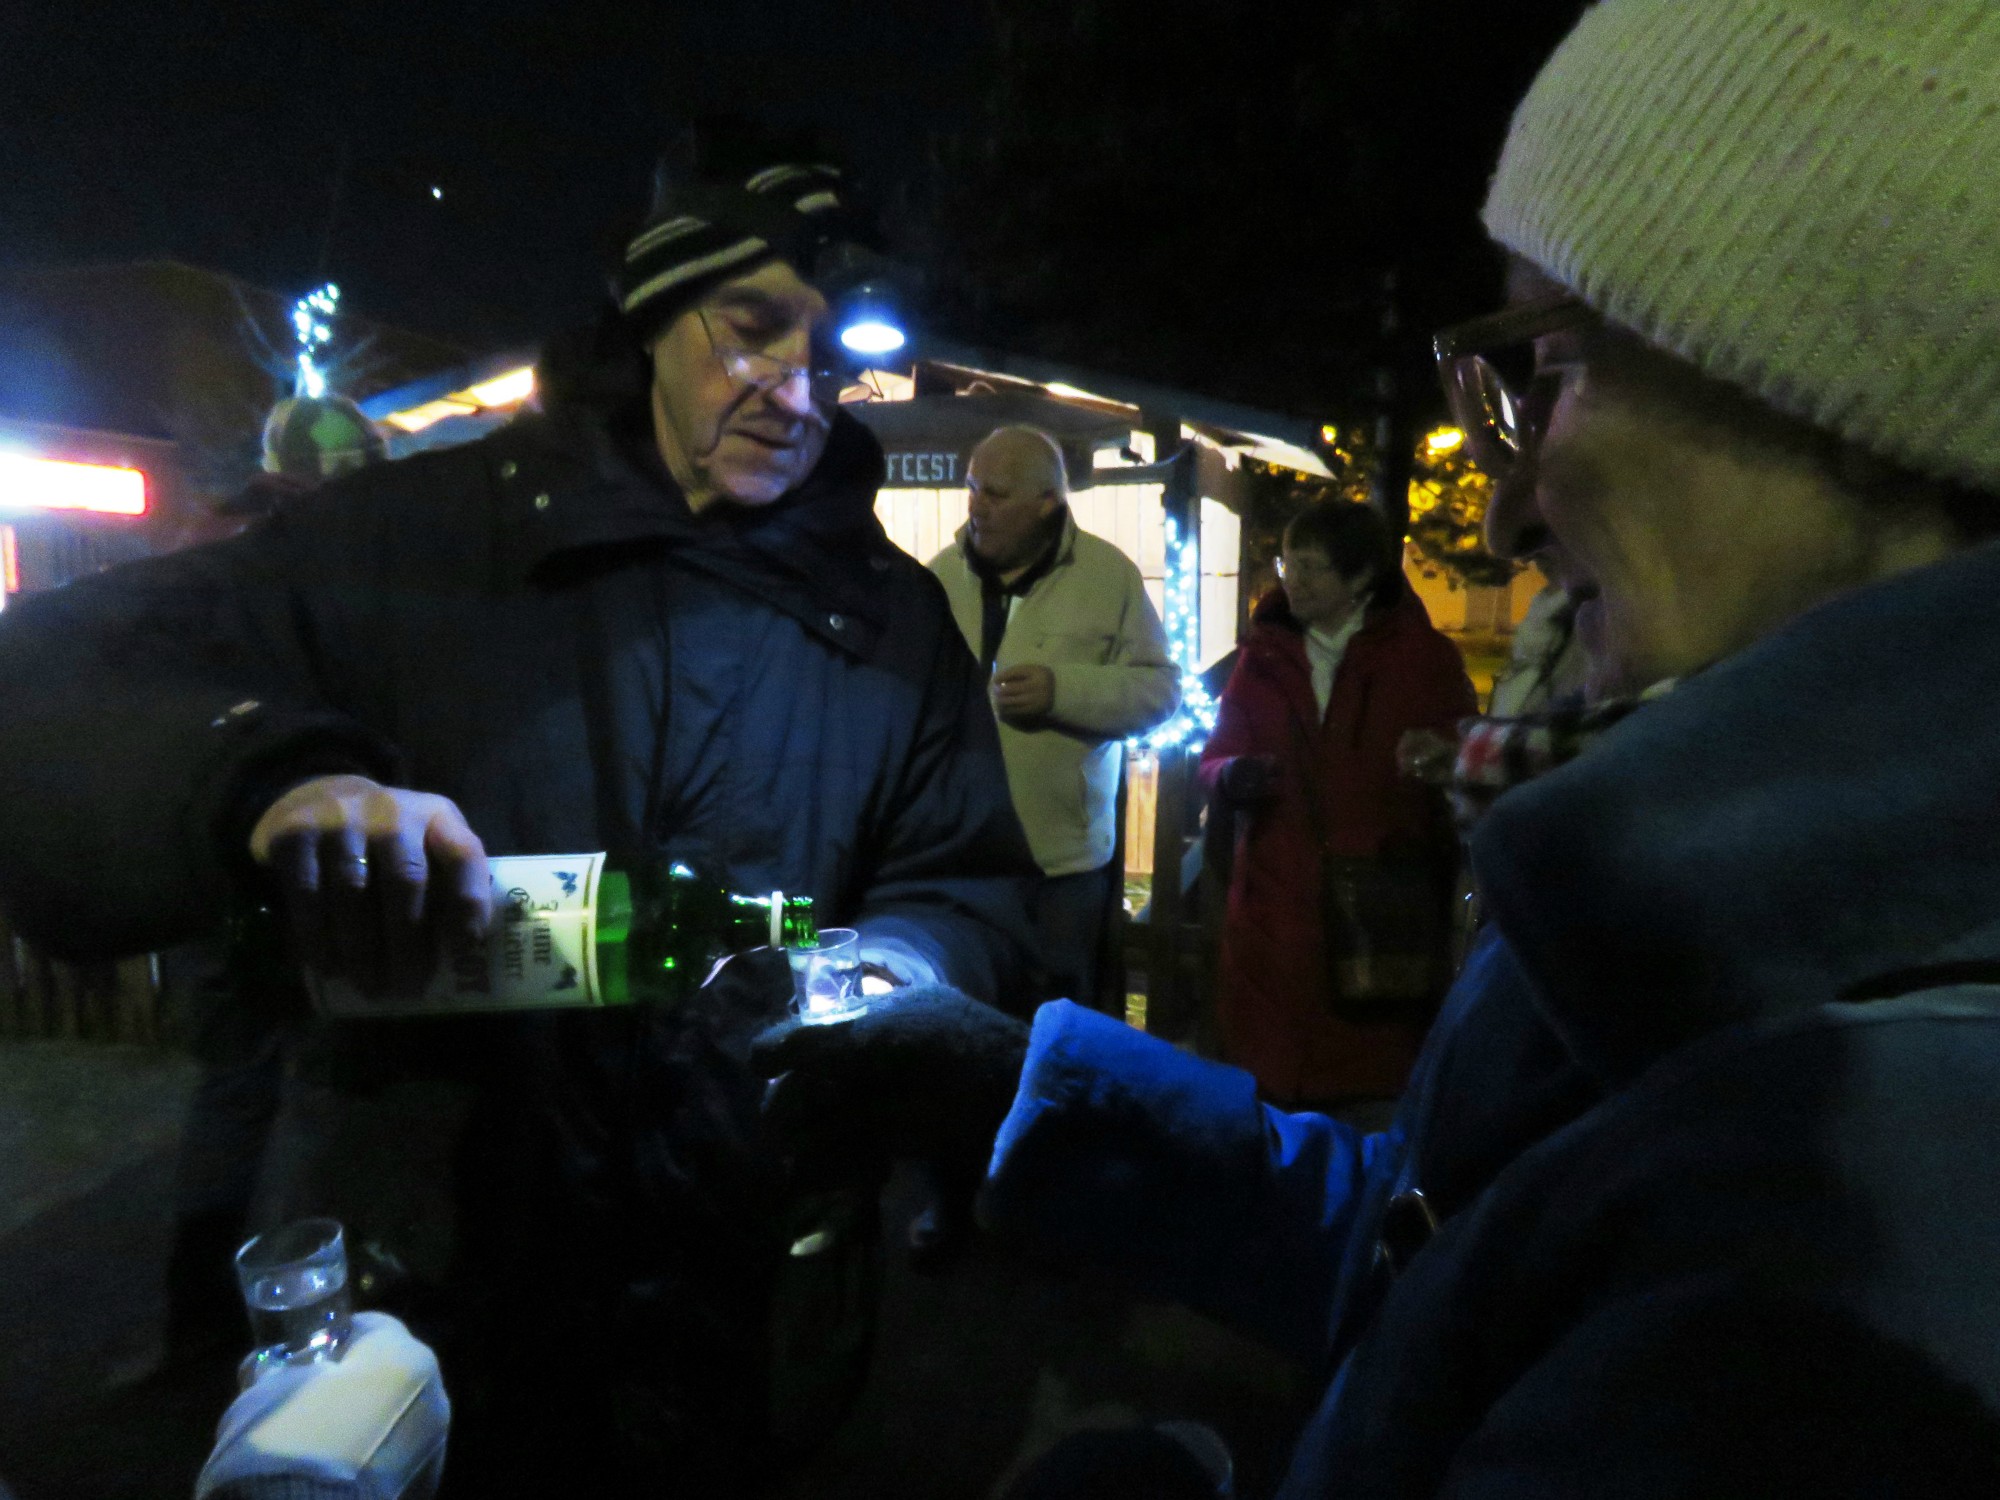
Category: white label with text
[540,952]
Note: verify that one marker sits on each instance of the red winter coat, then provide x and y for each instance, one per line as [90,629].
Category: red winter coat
[1397,674]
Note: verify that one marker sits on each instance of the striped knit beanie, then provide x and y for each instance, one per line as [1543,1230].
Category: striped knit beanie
[701,234]
[1801,197]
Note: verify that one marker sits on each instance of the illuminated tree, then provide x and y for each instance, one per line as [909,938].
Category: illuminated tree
[1448,497]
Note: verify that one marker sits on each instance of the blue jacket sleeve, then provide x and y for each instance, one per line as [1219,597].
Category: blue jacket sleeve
[1127,1153]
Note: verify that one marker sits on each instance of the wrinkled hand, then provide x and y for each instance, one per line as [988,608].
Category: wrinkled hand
[1023,693]
[924,1073]
[372,878]
[1248,780]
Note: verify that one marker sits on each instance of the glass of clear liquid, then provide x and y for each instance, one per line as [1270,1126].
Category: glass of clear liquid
[826,978]
[294,1284]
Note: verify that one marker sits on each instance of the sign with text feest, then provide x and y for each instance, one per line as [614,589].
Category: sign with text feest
[935,469]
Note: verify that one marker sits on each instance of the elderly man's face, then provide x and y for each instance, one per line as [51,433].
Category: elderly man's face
[734,413]
[1685,520]
[1014,490]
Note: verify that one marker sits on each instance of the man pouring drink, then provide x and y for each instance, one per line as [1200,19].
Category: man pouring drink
[657,619]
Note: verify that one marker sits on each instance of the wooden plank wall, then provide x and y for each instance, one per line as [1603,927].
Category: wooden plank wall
[41,999]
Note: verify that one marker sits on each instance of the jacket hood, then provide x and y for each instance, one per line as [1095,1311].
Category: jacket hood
[582,479]
[1810,820]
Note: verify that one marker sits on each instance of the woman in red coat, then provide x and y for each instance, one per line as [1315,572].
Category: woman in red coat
[1337,668]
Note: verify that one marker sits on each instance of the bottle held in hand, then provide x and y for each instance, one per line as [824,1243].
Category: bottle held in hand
[576,931]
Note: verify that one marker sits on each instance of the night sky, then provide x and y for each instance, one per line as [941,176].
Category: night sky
[137,129]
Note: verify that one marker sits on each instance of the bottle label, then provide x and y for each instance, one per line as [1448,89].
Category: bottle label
[539,953]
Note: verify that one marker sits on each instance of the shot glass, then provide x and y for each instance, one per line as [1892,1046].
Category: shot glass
[826,978]
[294,1283]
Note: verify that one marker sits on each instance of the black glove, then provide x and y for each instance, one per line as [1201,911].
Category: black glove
[1247,780]
[924,1073]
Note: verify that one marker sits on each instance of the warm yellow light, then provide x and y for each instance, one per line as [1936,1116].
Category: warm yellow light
[1070,392]
[417,418]
[1444,440]
[48,484]
[1329,436]
[504,390]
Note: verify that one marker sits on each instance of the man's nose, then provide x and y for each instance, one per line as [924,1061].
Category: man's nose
[794,393]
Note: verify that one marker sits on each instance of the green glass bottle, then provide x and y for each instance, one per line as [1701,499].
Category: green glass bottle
[578,931]
[659,933]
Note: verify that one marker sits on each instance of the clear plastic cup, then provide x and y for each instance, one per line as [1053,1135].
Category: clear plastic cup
[294,1283]
[826,977]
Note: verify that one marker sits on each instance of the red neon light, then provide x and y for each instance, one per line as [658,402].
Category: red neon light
[50,484]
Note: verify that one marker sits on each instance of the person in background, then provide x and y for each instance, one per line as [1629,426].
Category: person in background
[1078,659]
[1340,664]
[312,439]
[1546,663]
[1692,1192]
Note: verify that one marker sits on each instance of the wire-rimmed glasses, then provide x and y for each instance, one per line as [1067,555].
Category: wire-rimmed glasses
[1303,570]
[826,377]
[1498,397]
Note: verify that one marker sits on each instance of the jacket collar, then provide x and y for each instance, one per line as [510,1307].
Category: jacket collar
[1810,820]
[569,486]
[1065,548]
[1274,621]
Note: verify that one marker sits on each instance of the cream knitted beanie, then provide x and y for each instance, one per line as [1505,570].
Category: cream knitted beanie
[1802,197]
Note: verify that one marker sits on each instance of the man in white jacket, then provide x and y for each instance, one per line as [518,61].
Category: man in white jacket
[1078,660]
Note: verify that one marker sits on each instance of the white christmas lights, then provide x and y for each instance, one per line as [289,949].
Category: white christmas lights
[312,324]
[1195,719]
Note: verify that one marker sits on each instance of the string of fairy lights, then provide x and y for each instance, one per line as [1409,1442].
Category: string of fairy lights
[312,326]
[1194,721]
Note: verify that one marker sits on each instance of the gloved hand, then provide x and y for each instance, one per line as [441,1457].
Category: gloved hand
[368,1426]
[1248,780]
[924,1073]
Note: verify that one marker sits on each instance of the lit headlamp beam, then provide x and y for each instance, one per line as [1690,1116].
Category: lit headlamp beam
[872,336]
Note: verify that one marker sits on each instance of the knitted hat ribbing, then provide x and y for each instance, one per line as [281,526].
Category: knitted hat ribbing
[1801,197]
[700,234]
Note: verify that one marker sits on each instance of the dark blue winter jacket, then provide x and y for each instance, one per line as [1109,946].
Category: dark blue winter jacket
[1694,1191]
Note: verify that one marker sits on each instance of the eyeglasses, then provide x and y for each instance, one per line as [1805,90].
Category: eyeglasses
[826,377]
[1499,398]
